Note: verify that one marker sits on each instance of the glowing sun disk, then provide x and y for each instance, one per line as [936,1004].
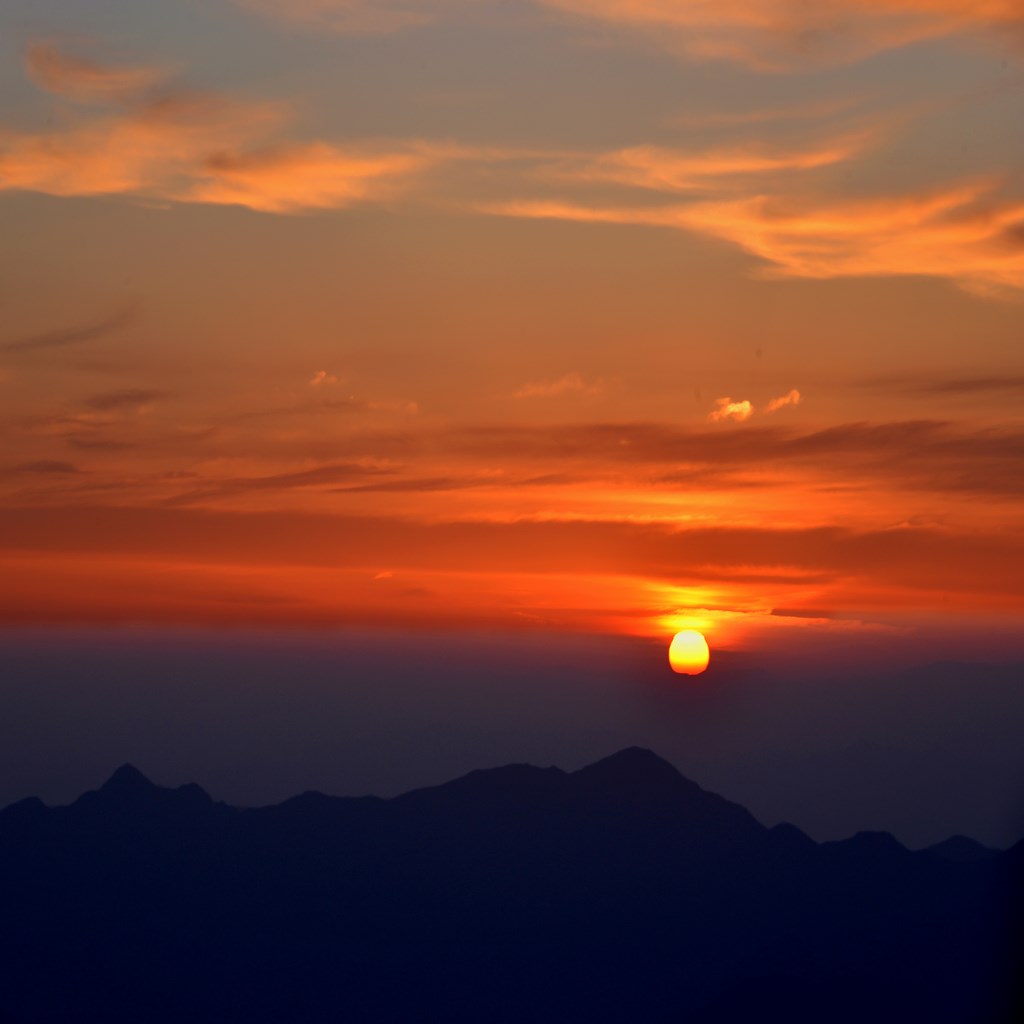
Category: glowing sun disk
[688,653]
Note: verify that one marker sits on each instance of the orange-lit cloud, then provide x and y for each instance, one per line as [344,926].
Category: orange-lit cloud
[150,150]
[792,398]
[84,80]
[194,147]
[321,378]
[765,34]
[568,384]
[968,234]
[186,565]
[726,409]
[302,177]
[653,516]
[782,34]
[672,170]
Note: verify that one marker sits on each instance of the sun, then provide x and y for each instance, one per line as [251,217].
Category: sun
[688,653]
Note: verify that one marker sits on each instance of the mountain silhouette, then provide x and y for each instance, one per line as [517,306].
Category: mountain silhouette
[622,891]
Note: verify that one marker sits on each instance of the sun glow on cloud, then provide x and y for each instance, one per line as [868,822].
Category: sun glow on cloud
[727,409]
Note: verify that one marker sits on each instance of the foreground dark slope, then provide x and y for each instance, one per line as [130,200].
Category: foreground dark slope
[619,892]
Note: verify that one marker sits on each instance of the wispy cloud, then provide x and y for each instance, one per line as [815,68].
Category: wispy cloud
[348,17]
[46,467]
[792,398]
[968,234]
[84,80]
[318,476]
[764,34]
[322,378]
[965,386]
[288,178]
[787,34]
[186,146]
[920,455]
[666,169]
[66,336]
[869,564]
[134,399]
[570,383]
[812,111]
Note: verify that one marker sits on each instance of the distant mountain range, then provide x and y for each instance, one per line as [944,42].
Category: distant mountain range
[620,892]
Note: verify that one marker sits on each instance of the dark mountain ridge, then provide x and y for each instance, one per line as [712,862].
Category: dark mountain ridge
[619,891]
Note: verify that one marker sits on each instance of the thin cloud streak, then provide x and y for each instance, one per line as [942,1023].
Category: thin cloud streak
[570,383]
[68,336]
[664,169]
[133,399]
[951,386]
[893,560]
[965,234]
[348,17]
[785,35]
[766,35]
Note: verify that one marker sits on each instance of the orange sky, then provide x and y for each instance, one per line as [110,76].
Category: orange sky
[599,315]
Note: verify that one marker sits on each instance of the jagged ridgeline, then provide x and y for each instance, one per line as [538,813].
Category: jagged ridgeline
[620,892]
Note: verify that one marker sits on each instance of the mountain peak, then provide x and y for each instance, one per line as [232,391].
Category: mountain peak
[634,759]
[127,779]
[634,767]
[962,850]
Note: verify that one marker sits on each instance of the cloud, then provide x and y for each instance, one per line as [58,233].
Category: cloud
[738,412]
[319,476]
[552,388]
[879,564]
[322,377]
[84,80]
[727,409]
[66,425]
[950,386]
[135,399]
[793,398]
[47,467]
[786,34]
[803,613]
[198,148]
[348,17]
[763,34]
[674,170]
[812,111]
[967,234]
[69,335]
[100,444]
[921,455]
[288,178]
[153,149]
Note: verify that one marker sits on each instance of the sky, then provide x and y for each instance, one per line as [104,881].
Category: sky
[602,318]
